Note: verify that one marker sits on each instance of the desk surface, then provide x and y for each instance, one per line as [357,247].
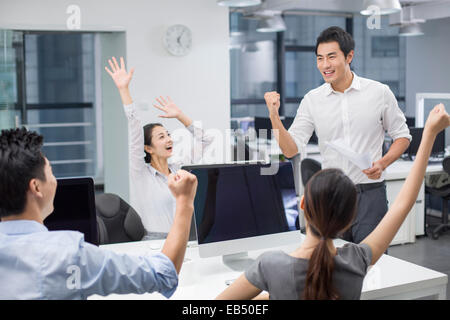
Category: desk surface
[400,169]
[205,278]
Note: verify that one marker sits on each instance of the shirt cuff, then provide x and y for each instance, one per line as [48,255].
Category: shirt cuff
[167,275]
[130,110]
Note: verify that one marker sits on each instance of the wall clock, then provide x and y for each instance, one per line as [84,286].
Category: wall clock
[178,40]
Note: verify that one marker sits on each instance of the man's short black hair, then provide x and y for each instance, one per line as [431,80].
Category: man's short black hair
[345,39]
[21,160]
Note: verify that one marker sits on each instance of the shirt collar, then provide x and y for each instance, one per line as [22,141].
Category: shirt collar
[356,84]
[155,172]
[16,227]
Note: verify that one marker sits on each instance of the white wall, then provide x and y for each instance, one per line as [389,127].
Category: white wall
[199,83]
[427,63]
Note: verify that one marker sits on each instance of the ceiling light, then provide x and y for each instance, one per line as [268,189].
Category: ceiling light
[271,24]
[384,7]
[410,30]
[238,3]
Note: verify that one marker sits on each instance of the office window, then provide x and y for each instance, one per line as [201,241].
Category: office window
[9,41]
[54,94]
[385,46]
[380,54]
[256,60]
[253,67]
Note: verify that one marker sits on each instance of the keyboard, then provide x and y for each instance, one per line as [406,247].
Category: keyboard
[432,160]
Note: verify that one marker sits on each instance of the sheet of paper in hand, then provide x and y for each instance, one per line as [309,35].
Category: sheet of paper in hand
[363,161]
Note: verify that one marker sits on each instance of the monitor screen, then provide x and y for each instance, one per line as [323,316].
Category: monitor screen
[263,124]
[410,122]
[235,205]
[416,134]
[74,208]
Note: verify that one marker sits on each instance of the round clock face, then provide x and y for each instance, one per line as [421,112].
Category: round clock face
[178,40]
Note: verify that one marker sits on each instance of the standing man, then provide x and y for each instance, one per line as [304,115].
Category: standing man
[355,109]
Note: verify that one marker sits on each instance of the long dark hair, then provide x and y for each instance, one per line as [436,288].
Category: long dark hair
[330,207]
[148,129]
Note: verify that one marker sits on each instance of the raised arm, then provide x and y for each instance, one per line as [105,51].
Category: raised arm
[383,234]
[203,140]
[122,79]
[171,110]
[183,186]
[285,141]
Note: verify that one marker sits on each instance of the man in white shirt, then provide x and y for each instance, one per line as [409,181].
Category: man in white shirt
[354,109]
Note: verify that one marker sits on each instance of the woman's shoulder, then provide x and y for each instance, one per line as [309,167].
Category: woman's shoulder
[353,252]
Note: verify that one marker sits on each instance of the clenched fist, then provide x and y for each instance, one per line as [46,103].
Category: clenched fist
[272,101]
[183,185]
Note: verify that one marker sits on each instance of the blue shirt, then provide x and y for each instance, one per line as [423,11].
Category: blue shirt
[39,264]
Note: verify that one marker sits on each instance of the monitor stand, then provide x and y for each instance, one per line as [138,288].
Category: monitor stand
[238,261]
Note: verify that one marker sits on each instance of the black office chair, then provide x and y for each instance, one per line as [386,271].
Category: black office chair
[444,193]
[307,168]
[117,221]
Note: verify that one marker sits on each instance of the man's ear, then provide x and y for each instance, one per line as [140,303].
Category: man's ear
[35,188]
[302,202]
[349,57]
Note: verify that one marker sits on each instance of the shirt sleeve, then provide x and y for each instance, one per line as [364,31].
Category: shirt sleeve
[136,139]
[394,121]
[104,272]
[359,255]
[255,273]
[302,128]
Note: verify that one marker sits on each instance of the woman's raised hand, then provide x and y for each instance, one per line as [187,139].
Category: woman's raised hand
[169,108]
[119,74]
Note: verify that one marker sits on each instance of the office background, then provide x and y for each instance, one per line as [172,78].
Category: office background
[222,80]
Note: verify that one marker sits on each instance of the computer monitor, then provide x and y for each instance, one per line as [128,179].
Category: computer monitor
[438,146]
[263,124]
[74,208]
[411,122]
[238,209]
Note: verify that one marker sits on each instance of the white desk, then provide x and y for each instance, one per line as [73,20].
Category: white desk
[205,278]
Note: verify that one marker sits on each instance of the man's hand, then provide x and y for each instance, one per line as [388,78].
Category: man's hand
[375,172]
[183,186]
[272,101]
[119,74]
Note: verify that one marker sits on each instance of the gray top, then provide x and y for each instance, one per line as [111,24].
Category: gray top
[284,276]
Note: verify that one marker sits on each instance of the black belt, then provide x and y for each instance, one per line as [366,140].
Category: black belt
[362,187]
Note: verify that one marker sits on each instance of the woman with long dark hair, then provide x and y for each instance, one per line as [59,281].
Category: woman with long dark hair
[151,146]
[317,269]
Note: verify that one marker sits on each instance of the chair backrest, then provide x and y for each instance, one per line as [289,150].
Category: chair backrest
[118,221]
[307,168]
[446,164]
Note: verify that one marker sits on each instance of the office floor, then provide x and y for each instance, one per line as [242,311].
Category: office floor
[426,252]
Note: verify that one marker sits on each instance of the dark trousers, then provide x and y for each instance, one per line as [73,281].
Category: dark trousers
[372,206]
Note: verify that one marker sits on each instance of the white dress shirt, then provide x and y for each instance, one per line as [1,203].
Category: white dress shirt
[150,195]
[360,115]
